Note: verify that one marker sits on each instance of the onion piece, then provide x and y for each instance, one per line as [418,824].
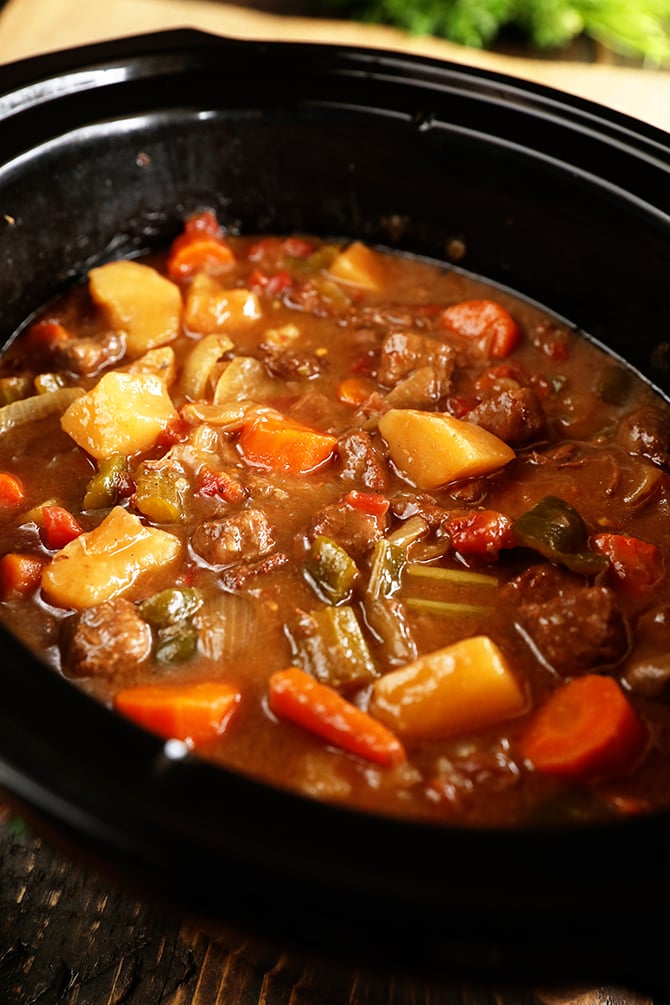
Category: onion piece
[37,406]
[446,607]
[451,575]
[226,623]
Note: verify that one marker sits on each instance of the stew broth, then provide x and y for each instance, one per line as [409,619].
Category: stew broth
[436,503]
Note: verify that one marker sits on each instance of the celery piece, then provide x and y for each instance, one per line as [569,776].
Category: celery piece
[104,488]
[387,618]
[159,493]
[332,647]
[388,560]
[463,577]
[170,606]
[446,607]
[331,570]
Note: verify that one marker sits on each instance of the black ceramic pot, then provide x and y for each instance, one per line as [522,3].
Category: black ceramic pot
[103,150]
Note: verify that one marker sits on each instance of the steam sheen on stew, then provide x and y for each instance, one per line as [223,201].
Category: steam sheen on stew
[350,522]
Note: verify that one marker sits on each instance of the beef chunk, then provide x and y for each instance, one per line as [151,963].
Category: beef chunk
[360,461]
[579,628]
[236,577]
[648,673]
[246,535]
[354,530]
[416,368]
[108,639]
[289,364]
[646,432]
[514,414]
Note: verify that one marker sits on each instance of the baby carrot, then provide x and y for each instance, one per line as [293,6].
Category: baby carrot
[296,696]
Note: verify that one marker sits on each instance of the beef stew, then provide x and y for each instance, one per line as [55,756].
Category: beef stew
[349,522]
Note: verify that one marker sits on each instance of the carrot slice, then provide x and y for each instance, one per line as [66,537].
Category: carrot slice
[11,489]
[296,696]
[485,322]
[586,729]
[193,713]
[279,444]
[19,575]
[200,247]
[355,390]
[59,527]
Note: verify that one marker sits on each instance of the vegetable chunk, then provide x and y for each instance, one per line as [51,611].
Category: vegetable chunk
[433,448]
[123,413]
[138,301]
[462,687]
[193,713]
[117,558]
[358,265]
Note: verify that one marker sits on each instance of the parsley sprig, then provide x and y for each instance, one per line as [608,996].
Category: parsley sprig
[636,28]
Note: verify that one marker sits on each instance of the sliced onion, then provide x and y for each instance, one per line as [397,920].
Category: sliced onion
[226,623]
[37,406]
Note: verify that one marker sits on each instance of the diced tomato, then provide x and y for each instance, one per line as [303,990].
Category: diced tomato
[459,405]
[371,503]
[484,322]
[297,247]
[266,247]
[176,431]
[59,527]
[274,285]
[221,484]
[203,223]
[481,533]
[635,564]
[47,336]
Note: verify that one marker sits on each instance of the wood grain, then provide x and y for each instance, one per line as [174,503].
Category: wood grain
[69,937]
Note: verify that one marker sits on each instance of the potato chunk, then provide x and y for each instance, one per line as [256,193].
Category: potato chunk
[433,448]
[211,307]
[358,265]
[123,413]
[118,558]
[462,687]
[139,301]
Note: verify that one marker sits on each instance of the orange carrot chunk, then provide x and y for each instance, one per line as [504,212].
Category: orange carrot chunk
[19,575]
[586,729]
[11,490]
[193,713]
[484,322]
[279,444]
[200,247]
[296,696]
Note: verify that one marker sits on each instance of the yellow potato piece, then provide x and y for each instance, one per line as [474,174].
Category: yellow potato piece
[212,308]
[358,265]
[463,687]
[139,301]
[433,448]
[123,413]
[118,558]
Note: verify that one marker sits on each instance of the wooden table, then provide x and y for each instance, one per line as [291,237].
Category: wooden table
[69,937]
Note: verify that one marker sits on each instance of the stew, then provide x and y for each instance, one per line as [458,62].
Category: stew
[348,521]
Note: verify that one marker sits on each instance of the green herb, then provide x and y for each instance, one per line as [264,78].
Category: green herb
[640,28]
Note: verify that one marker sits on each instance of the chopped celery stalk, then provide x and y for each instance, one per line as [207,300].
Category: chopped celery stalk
[387,618]
[415,528]
[333,649]
[159,493]
[104,488]
[170,606]
[446,607]
[176,643]
[555,529]
[464,576]
[388,560]
[331,570]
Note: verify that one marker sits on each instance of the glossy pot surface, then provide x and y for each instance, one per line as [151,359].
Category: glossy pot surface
[103,151]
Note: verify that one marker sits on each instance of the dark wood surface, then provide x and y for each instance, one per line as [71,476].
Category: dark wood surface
[70,937]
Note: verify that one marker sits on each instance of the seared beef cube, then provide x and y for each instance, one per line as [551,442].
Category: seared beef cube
[247,535]
[577,630]
[360,461]
[108,639]
[290,364]
[87,356]
[417,368]
[646,432]
[353,530]
[403,353]
[514,414]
